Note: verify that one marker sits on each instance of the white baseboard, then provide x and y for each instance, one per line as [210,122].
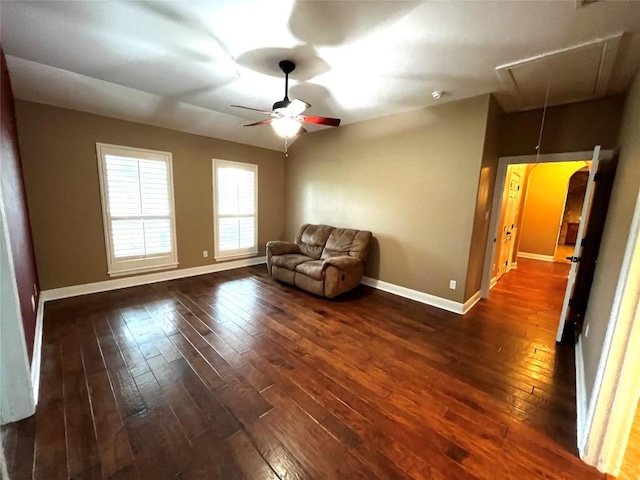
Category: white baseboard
[434,301]
[536,256]
[107,285]
[37,350]
[469,304]
[581,398]
[493,283]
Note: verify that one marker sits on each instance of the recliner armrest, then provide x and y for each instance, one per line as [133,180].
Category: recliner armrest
[279,247]
[343,262]
[340,274]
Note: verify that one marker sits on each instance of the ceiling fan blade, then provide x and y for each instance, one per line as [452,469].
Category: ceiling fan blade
[296,107]
[261,122]
[253,109]
[333,122]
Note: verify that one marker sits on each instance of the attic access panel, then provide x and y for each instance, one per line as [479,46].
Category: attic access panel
[573,74]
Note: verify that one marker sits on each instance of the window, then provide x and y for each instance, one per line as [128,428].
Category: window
[137,207]
[235,209]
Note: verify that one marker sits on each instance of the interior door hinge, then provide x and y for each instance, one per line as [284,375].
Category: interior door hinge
[596,177]
[570,301]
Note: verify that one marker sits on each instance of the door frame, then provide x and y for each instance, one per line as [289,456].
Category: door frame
[496,206]
[18,394]
[604,431]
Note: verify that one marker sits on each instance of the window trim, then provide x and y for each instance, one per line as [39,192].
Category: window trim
[117,268]
[238,253]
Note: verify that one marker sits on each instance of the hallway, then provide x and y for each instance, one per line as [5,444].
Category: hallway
[535,290]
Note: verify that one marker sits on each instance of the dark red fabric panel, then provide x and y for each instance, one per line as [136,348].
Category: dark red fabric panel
[15,206]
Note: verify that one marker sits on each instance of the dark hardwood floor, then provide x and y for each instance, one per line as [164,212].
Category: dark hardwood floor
[630,469]
[233,375]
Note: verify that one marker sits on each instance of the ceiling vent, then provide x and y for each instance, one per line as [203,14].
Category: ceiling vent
[573,74]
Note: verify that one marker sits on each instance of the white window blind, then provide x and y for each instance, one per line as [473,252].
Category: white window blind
[137,208]
[235,209]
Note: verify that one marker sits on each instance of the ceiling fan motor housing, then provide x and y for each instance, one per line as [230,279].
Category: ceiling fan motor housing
[281,104]
[287,66]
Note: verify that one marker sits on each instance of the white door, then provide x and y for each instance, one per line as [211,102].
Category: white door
[584,219]
[508,228]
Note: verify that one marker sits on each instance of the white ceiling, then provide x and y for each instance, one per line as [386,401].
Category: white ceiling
[181,65]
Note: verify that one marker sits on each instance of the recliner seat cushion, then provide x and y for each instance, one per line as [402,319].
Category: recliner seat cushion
[311,269]
[284,275]
[289,261]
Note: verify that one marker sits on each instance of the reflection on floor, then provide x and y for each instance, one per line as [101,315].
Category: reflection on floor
[562,252]
[233,375]
[631,465]
[538,281]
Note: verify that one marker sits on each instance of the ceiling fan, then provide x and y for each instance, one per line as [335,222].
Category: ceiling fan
[287,114]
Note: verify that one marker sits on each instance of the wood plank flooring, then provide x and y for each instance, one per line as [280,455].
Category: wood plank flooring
[233,375]
[631,463]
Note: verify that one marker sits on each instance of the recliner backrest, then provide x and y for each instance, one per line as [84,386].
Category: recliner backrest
[346,241]
[311,239]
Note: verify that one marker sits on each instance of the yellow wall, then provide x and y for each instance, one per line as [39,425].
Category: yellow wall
[544,206]
[58,149]
[626,189]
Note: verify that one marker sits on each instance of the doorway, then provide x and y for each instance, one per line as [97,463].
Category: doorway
[540,213]
[532,210]
[568,237]
[534,238]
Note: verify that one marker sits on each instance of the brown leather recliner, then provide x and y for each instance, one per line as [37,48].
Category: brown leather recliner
[324,260]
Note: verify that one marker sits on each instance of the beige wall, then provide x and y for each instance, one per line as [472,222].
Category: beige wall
[626,189]
[575,127]
[61,175]
[484,200]
[421,181]
[412,179]
[544,205]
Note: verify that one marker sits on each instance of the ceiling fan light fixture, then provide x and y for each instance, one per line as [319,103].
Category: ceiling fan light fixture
[287,115]
[286,127]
